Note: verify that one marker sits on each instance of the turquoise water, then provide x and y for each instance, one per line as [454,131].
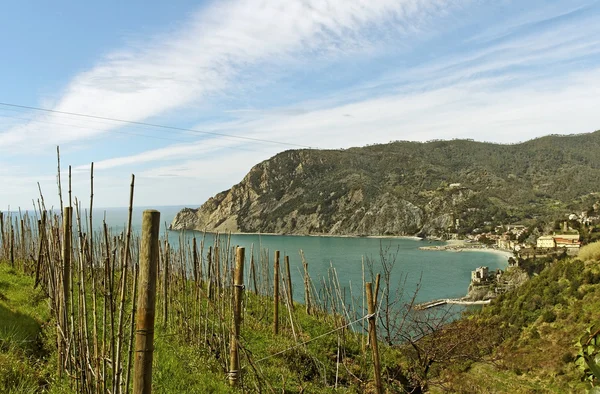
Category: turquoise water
[443,274]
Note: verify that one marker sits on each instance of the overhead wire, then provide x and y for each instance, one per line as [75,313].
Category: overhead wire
[181,130]
[154,125]
[127,133]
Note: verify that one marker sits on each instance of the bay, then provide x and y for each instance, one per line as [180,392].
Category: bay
[442,274]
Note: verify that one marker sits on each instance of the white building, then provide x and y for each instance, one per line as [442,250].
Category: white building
[546,241]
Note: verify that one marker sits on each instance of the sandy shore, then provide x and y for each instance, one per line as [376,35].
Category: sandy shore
[463,246]
[505,253]
[457,242]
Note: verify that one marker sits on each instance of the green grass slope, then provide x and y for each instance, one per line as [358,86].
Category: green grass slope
[23,312]
[313,357]
[537,327]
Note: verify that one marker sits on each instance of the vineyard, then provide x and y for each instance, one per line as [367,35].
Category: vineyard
[127,311]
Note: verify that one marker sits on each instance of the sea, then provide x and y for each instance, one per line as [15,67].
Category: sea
[436,274]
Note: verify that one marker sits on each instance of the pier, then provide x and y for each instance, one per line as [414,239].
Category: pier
[444,301]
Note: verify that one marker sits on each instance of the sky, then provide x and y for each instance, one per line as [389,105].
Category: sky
[188,96]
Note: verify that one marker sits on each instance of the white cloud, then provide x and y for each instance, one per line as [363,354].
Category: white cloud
[501,87]
[203,57]
[481,110]
[478,110]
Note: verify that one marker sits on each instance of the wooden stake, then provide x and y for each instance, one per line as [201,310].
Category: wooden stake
[2,232]
[41,230]
[276,294]
[166,284]
[238,284]
[306,284]
[195,260]
[66,280]
[117,366]
[373,337]
[12,245]
[377,280]
[253,269]
[209,274]
[144,339]
[289,282]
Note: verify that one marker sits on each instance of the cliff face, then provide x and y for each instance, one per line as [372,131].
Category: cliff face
[403,188]
[286,195]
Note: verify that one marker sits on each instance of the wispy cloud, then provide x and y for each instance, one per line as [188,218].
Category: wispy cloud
[205,56]
[531,73]
[501,92]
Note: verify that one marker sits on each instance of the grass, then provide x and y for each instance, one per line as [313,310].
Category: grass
[538,323]
[310,368]
[23,312]
[28,354]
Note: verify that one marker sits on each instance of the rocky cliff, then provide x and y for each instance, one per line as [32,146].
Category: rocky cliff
[404,188]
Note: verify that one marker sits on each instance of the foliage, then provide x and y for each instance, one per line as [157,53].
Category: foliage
[535,328]
[480,184]
[588,357]
[590,252]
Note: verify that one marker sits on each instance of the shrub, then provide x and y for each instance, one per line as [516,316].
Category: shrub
[548,316]
[567,358]
[590,252]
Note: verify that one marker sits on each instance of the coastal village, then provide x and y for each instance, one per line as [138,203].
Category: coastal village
[520,243]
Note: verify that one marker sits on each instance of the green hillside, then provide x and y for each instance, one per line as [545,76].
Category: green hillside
[408,188]
[532,333]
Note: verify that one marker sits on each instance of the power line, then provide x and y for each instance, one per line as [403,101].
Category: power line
[209,145]
[154,125]
[378,155]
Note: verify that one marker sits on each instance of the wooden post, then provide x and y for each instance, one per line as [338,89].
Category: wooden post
[253,271]
[217,260]
[42,234]
[306,284]
[276,294]
[22,248]
[166,284]
[2,232]
[195,260]
[12,245]
[209,274]
[377,280]
[373,337]
[238,283]
[144,333]
[289,282]
[66,280]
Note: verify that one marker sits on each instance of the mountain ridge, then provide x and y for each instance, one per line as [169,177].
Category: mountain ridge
[406,188]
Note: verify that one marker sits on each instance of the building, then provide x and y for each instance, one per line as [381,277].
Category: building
[546,241]
[504,242]
[567,241]
[480,275]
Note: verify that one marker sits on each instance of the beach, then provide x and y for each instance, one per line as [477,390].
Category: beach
[460,245]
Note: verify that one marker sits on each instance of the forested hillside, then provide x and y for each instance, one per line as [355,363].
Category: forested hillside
[405,188]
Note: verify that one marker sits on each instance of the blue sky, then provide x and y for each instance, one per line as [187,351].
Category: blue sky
[279,74]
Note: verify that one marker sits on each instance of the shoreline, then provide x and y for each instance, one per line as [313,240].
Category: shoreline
[412,237]
[506,253]
[453,245]
[459,246]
